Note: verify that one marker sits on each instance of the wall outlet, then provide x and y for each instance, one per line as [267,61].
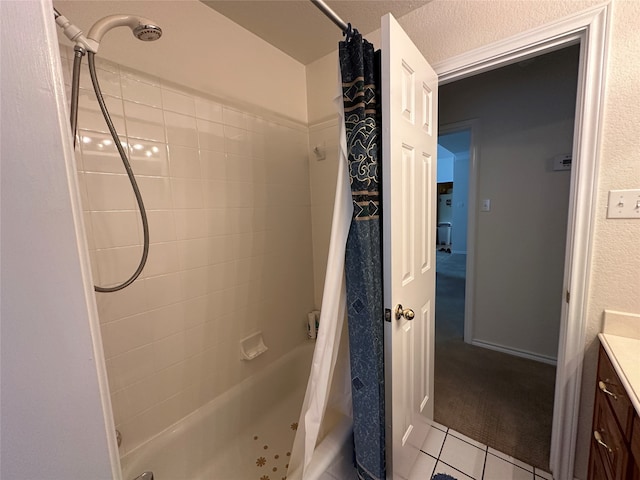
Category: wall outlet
[624,204]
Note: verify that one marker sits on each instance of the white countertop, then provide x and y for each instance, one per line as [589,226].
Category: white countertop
[624,353]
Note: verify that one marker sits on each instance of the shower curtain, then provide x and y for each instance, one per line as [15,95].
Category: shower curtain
[360,67]
[329,377]
[353,282]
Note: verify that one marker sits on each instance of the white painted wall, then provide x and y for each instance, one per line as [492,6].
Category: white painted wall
[443,29]
[526,117]
[53,375]
[445,165]
[200,49]
[460,203]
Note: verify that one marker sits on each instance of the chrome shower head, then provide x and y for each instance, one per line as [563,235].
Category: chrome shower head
[142,28]
[147,32]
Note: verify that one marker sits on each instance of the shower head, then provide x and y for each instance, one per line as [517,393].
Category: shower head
[142,28]
[147,32]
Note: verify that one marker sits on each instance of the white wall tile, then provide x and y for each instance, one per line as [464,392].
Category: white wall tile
[234,118]
[237,141]
[148,158]
[217,185]
[138,76]
[163,290]
[107,65]
[127,334]
[115,228]
[99,153]
[163,259]
[109,81]
[109,192]
[141,92]
[156,192]
[215,193]
[187,193]
[190,223]
[90,116]
[174,101]
[144,122]
[239,168]
[168,320]
[181,129]
[123,303]
[210,135]
[130,367]
[162,226]
[208,110]
[185,162]
[169,350]
[194,253]
[213,165]
[116,265]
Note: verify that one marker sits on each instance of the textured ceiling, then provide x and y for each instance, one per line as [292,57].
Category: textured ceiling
[299,29]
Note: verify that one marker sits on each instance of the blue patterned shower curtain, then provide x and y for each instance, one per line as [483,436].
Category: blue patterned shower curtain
[359,66]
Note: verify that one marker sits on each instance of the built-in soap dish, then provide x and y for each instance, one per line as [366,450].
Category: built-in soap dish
[252,346]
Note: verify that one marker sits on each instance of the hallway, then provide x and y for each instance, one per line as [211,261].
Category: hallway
[501,400]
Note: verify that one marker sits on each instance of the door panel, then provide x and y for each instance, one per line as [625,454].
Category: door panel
[409,96]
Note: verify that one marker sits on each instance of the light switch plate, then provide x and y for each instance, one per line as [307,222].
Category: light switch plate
[485,206]
[624,204]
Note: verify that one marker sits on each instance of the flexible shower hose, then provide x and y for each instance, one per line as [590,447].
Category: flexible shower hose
[123,156]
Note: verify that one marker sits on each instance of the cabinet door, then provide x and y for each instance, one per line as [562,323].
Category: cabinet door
[596,468]
[610,387]
[608,440]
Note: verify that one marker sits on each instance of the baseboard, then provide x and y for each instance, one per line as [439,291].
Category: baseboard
[518,353]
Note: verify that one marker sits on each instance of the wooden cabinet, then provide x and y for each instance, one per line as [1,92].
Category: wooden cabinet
[615,442]
[635,449]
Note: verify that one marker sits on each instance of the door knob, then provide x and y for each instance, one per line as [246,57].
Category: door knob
[407,313]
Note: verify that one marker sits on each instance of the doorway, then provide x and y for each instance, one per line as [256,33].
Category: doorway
[497,386]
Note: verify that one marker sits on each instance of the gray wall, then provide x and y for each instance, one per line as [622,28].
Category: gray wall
[526,117]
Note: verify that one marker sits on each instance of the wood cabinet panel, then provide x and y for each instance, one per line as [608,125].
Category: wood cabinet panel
[615,441]
[609,386]
[609,442]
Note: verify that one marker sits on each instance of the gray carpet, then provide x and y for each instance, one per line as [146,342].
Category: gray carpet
[501,400]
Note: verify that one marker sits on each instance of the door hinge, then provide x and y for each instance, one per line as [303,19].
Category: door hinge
[567,296]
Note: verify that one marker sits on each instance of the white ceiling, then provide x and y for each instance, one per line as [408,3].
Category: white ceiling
[302,31]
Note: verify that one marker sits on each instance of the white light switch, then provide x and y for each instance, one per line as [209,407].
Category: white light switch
[624,204]
[486,205]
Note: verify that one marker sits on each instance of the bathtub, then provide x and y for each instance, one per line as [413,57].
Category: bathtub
[246,433]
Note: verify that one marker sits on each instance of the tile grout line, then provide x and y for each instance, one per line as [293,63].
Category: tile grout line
[484,465]
[446,434]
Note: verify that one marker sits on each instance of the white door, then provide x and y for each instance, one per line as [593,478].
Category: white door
[409,142]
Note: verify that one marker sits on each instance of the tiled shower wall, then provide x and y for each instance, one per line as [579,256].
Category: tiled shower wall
[228,200]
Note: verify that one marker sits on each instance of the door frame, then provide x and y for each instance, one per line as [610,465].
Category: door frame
[589,28]
[473,125]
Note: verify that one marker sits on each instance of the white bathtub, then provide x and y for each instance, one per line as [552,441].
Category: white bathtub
[246,433]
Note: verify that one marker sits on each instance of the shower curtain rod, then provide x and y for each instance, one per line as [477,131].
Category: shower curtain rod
[324,8]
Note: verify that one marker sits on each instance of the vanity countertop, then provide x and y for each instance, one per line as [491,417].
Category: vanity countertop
[621,341]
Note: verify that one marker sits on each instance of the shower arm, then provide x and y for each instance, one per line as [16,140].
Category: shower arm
[74,34]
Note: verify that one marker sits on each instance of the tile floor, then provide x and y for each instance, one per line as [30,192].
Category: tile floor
[447,451]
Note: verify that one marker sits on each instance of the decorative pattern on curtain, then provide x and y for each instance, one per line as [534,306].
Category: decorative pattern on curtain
[359,65]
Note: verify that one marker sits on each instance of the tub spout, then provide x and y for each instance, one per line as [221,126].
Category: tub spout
[145,476]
